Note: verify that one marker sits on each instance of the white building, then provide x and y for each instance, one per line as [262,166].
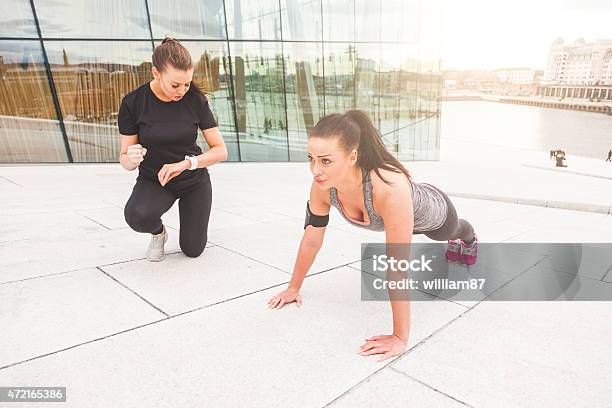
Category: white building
[579,63]
[518,76]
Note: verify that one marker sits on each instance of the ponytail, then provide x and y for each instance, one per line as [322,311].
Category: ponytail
[356,131]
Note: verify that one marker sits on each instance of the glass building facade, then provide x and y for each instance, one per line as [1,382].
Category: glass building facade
[271,69]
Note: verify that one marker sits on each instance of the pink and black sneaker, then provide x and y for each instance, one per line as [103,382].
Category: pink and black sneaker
[453,251]
[469,252]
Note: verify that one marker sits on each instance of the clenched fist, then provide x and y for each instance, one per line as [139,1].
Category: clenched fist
[135,154]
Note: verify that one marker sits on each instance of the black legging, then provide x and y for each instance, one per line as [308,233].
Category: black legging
[453,227]
[149,200]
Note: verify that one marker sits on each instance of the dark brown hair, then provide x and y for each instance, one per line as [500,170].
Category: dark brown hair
[172,52]
[355,130]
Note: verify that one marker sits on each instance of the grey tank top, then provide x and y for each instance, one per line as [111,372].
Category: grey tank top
[429,207]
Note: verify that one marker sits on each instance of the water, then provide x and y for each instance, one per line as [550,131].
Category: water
[579,133]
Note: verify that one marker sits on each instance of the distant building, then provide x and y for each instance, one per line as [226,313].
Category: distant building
[579,70]
[506,81]
[579,63]
[518,76]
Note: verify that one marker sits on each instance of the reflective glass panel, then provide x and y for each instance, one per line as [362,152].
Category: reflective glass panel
[302,20]
[304,85]
[29,129]
[91,78]
[339,66]
[253,19]
[16,19]
[212,75]
[338,20]
[260,100]
[93,19]
[193,19]
[367,20]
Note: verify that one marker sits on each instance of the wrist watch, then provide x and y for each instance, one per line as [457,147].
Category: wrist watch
[193,160]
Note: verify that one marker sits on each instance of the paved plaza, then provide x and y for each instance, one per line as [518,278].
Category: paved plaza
[81,307]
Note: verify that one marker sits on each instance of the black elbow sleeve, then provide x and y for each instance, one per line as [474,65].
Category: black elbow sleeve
[315,220]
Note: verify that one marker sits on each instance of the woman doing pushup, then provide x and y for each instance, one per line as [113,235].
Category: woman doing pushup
[353,171]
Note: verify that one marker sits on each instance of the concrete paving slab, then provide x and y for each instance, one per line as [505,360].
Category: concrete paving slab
[45,256]
[591,260]
[500,231]
[208,356]
[544,218]
[488,211]
[56,225]
[179,283]
[393,388]
[255,212]
[543,284]
[488,164]
[277,244]
[30,202]
[509,259]
[110,217]
[8,185]
[219,219]
[44,315]
[508,354]
[560,234]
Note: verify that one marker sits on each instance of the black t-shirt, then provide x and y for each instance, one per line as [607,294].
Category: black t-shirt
[168,130]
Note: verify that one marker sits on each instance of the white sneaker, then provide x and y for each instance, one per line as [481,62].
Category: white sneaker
[155,252]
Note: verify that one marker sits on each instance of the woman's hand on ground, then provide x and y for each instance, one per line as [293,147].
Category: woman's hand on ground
[387,345]
[288,295]
[135,154]
[170,171]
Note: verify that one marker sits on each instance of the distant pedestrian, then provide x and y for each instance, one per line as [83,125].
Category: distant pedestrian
[560,157]
[609,159]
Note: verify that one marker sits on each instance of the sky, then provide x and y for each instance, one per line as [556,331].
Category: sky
[481,34]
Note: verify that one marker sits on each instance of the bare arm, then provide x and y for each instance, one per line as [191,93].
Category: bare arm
[218,150]
[129,162]
[394,204]
[399,222]
[311,243]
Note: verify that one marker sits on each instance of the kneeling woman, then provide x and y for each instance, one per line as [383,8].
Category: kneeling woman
[159,123]
[355,173]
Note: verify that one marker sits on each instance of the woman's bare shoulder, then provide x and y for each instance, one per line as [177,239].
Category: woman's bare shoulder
[384,194]
[396,182]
